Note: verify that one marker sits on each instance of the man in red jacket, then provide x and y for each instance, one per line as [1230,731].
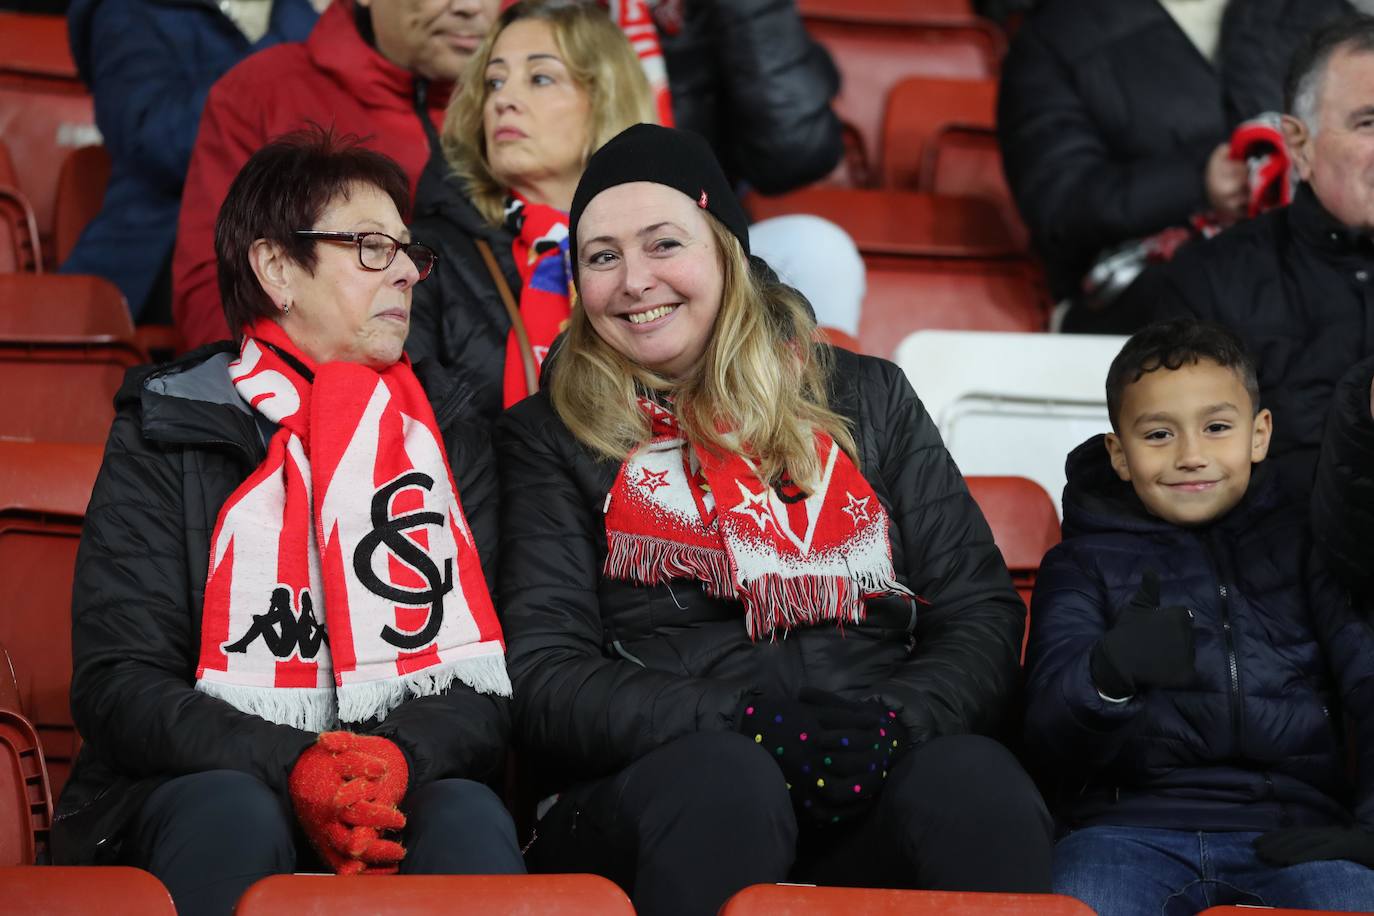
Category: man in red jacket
[381,69]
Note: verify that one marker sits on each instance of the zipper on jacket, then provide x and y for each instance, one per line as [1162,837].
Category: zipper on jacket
[1232,664]
[626,654]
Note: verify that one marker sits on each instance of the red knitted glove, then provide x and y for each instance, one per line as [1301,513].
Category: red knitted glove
[346,790]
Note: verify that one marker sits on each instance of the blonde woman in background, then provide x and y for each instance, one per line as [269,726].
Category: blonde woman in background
[552,81]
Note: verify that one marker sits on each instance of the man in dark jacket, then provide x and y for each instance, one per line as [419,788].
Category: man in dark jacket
[1295,283]
[1187,655]
[1112,119]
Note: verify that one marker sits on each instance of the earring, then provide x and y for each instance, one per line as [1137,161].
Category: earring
[286,308]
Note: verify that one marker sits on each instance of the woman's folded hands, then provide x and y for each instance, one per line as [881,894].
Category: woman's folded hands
[833,752]
[347,789]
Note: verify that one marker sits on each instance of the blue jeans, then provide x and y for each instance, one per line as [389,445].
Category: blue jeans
[1146,871]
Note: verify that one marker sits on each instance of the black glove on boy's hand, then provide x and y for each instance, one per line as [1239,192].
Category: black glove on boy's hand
[1149,646]
[834,753]
[1295,845]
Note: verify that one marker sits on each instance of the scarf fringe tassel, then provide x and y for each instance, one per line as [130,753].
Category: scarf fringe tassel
[772,602]
[369,700]
[320,709]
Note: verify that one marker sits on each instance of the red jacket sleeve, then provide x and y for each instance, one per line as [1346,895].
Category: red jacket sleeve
[228,135]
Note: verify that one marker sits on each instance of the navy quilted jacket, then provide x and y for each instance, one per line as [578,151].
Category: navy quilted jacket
[1255,742]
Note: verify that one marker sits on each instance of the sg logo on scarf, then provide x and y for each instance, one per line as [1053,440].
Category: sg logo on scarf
[389,532]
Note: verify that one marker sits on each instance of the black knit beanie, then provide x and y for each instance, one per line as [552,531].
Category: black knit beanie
[676,158]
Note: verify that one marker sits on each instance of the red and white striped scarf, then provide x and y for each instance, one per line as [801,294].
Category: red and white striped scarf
[793,559]
[394,605]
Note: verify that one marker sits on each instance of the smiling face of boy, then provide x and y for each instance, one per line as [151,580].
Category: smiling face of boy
[1186,441]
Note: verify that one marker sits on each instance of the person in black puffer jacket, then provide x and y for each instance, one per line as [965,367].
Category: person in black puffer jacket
[730,677]
[1111,119]
[745,75]
[1189,658]
[1343,495]
[238,688]
[1297,284]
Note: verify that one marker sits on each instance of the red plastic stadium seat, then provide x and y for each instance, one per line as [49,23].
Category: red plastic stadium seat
[44,489]
[906,295]
[798,900]
[1023,521]
[25,798]
[20,249]
[80,192]
[918,109]
[891,11]
[63,890]
[873,57]
[884,222]
[65,343]
[433,895]
[44,108]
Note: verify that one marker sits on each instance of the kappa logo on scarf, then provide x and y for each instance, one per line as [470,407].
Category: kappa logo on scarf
[286,631]
[389,532]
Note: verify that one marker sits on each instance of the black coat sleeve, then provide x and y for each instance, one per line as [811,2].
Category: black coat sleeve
[778,131]
[1076,195]
[1069,724]
[1343,496]
[963,669]
[574,703]
[134,649]
[459,733]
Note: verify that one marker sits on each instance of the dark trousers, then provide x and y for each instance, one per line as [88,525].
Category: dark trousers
[688,825]
[209,836]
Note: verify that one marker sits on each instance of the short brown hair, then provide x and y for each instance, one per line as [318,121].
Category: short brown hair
[601,62]
[283,187]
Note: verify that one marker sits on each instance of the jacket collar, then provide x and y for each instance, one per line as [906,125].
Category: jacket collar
[336,48]
[1096,501]
[1314,226]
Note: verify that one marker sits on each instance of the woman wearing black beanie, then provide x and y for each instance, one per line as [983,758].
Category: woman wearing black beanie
[756,625]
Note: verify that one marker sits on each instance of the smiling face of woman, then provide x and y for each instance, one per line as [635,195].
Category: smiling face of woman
[342,312]
[536,118]
[649,275]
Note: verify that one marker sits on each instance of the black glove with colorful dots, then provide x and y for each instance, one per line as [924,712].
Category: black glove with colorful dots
[834,753]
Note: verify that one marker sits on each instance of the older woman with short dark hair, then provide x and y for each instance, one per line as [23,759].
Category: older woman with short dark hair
[281,624]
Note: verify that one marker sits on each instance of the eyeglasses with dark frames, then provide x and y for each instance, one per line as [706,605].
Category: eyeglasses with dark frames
[376,250]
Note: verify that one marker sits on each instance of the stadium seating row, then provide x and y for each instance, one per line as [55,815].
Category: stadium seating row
[129,891]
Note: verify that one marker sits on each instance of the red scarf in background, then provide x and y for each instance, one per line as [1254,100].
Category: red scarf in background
[634,20]
[677,511]
[343,576]
[540,249]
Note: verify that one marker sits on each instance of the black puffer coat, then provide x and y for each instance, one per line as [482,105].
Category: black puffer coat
[1108,113]
[746,76]
[1255,742]
[1343,495]
[457,317]
[182,441]
[1298,288]
[605,671]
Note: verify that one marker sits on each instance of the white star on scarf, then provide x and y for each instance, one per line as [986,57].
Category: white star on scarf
[857,509]
[755,505]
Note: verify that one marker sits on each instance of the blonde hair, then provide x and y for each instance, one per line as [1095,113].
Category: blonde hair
[759,389]
[601,62]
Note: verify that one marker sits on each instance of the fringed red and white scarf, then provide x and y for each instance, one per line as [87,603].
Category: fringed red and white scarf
[638,25]
[343,575]
[540,249]
[793,559]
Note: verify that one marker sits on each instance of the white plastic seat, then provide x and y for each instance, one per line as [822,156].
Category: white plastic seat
[1012,404]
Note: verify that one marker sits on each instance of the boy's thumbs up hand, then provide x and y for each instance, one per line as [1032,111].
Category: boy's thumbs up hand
[1147,646]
